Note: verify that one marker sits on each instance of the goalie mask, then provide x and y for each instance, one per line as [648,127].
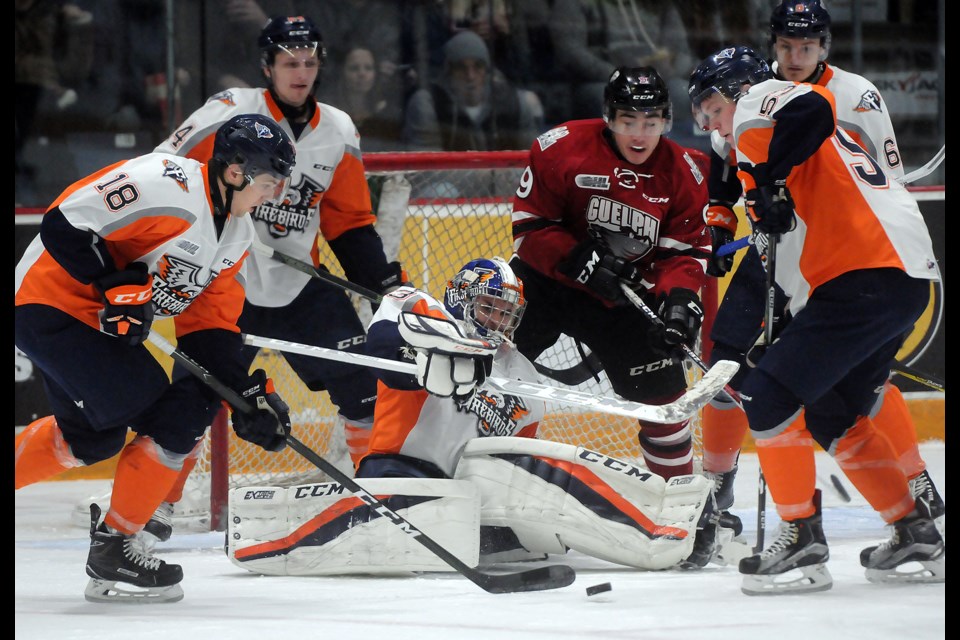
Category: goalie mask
[727,72]
[487,295]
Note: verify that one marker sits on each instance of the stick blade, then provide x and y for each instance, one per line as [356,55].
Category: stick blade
[540,579]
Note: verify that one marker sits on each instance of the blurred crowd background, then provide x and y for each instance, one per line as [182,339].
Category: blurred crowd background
[102,80]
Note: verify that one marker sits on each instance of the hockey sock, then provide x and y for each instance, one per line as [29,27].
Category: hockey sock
[894,421]
[145,474]
[176,491]
[41,453]
[667,448]
[790,470]
[723,433]
[867,458]
[358,440]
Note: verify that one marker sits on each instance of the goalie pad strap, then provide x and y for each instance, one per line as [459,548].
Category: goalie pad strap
[557,496]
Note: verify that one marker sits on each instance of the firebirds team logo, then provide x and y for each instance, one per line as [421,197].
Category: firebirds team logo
[293,212]
[497,414]
[175,172]
[869,101]
[177,285]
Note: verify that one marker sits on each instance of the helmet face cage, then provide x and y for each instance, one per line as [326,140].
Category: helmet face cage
[258,144]
[806,20]
[725,73]
[487,295]
[286,33]
[639,89]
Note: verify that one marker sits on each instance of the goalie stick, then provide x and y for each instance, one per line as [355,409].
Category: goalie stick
[540,579]
[310,270]
[688,404]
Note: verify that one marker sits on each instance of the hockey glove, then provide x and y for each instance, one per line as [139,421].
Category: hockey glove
[127,303]
[682,315]
[268,425]
[449,364]
[771,208]
[394,278]
[591,264]
[718,266]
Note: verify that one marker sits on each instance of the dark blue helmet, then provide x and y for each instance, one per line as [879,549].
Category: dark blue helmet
[726,72]
[793,19]
[636,89]
[258,144]
[290,32]
[487,294]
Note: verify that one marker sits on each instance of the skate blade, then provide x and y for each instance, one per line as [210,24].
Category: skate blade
[112,592]
[730,548]
[813,578]
[915,572]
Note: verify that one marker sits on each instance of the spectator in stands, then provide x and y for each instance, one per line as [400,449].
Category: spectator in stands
[360,89]
[592,37]
[472,106]
[234,28]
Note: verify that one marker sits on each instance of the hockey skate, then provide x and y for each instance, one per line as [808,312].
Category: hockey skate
[500,544]
[915,552]
[923,488]
[705,542]
[121,570]
[800,546]
[160,526]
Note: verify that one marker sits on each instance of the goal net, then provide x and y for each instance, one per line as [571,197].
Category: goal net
[435,212]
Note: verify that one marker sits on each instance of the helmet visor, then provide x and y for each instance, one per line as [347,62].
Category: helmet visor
[639,123]
[708,106]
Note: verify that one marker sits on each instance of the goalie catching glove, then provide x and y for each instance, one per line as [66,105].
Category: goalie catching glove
[127,303]
[449,363]
[268,425]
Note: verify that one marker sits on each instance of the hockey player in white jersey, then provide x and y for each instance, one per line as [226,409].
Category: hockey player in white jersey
[446,448]
[327,200]
[155,236]
[799,40]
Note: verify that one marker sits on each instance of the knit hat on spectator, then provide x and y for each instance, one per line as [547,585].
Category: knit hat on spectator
[466,45]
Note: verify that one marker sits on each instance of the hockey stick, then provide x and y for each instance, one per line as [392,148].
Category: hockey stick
[307,268]
[912,374]
[579,373]
[688,404]
[540,579]
[727,394]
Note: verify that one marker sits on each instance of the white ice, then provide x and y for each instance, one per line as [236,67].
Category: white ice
[225,601]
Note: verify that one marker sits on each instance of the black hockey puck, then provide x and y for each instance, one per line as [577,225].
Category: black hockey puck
[599,588]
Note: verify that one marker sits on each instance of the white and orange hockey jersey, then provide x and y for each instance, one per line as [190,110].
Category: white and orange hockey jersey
[328,193]
[154,209]
[850,214]
[411,422]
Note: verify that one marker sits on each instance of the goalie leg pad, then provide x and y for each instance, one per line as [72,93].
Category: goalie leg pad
[557,496]
[323,529]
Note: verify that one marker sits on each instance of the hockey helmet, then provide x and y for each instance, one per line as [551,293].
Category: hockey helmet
[793,19]
[638,89]
[258,144]
[725,73]
[488,295]
[285,33]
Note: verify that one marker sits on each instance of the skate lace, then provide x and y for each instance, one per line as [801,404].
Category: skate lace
[789,534]
[921,487]
[892,542]
[135,551]
[164,513]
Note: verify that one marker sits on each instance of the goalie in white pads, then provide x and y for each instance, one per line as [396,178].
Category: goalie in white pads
[452,454]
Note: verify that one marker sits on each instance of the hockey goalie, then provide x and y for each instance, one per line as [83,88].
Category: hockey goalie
[461,461]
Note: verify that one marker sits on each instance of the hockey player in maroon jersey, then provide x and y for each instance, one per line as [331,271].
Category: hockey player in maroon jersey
[154,236]
[606,201]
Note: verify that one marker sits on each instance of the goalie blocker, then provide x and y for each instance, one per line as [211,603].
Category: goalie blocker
[554,497]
